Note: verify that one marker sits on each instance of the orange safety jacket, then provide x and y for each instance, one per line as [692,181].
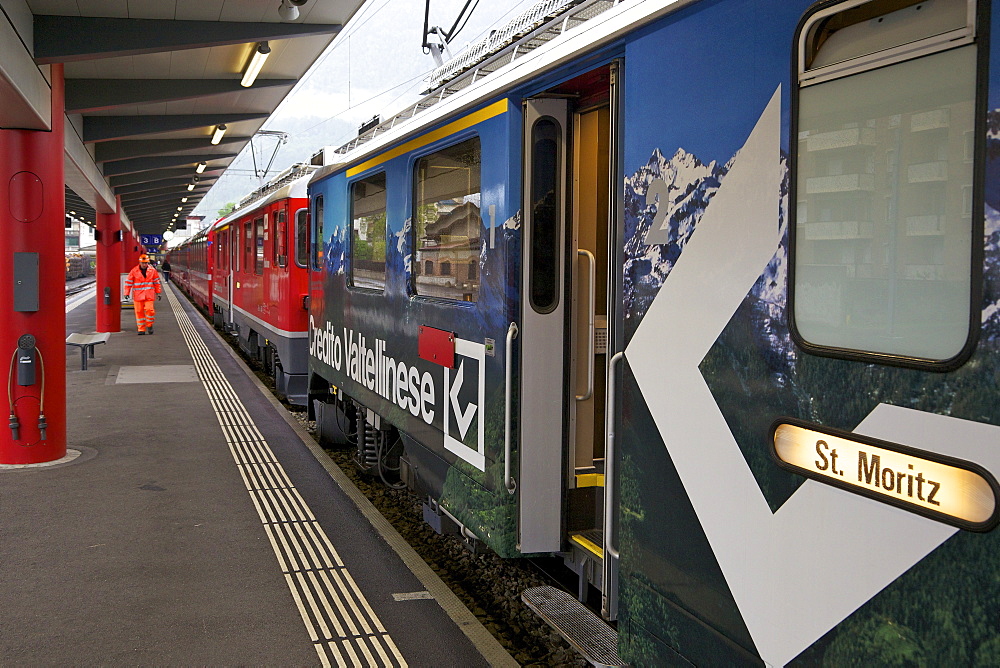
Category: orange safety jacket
[143,288]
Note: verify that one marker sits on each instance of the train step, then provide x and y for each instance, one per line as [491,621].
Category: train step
[587,633]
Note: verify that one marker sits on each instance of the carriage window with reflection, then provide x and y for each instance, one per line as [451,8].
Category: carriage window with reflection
[368,233]
[302,237]
[280,244]
[447,223]
[882,254]
[317,232]
[248,250]
[258,239]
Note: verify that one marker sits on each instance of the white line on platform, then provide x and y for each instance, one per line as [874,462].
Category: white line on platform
[322,588]
[80,298]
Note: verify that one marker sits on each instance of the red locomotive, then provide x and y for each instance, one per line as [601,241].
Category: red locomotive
[249,271]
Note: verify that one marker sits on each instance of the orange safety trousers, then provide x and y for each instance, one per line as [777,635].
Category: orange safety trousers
[145,313]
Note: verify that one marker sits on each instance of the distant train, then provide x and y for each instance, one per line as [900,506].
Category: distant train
[248,271]
[702,297]
[80,264]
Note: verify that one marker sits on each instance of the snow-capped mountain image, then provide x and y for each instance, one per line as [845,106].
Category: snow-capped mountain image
[664,199]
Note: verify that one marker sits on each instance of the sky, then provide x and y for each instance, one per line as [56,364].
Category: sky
[375,66]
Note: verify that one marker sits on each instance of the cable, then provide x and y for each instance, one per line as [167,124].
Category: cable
[42,424]
[379,441]
[15,426]
[452,33]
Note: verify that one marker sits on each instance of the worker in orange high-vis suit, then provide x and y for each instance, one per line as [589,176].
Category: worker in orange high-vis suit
[143,283]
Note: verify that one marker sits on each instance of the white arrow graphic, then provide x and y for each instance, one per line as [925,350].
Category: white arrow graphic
[796,573]
[464,419]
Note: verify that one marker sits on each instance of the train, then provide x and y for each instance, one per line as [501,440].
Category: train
[80,264]
[700,297]
[248,272]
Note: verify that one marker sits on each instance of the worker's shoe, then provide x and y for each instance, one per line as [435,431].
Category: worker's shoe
[149,330]
[142,332]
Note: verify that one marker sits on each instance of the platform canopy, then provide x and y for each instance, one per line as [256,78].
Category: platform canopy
[148,83]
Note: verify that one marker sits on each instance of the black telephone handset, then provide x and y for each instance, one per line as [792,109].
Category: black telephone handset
[26,360]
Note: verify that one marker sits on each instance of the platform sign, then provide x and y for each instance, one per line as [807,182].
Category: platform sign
[148,240]
[950,490]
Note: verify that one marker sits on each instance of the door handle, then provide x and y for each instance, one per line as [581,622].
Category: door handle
[508,479]
[609,456]
[591,305]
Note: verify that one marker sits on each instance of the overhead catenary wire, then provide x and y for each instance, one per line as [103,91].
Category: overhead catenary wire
[406,87]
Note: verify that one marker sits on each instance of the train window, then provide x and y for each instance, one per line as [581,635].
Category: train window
[368,233]
[882,241]
[258,244]
[545,197]
[447,221]
[248,247]
[302,237]
[281,238]
[317,232]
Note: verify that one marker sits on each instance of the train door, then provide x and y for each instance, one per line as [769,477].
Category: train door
[234,267]
[567,223]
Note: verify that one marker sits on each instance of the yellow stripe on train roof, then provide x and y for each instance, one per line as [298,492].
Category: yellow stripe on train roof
[486,113]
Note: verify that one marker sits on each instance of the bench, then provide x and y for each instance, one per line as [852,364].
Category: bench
[86,343]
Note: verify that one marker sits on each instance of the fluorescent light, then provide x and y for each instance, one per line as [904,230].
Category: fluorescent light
[190,186]
[201,167]
[180,208]
[260,54]
[183,199]
[219,131]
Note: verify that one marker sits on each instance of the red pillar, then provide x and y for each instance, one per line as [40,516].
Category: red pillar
[109,269]
[32,229]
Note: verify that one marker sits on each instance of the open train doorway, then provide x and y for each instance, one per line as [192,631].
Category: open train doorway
[568,226]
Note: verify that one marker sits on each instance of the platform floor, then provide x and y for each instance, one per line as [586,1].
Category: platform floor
[198,524]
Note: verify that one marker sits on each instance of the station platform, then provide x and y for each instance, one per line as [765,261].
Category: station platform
[194,522]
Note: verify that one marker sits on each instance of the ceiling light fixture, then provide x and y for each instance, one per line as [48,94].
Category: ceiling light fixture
[260,53]
[201,167]
[183,199]
[288,10]
[219,131]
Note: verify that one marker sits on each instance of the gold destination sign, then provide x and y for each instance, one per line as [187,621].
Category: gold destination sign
[944,488]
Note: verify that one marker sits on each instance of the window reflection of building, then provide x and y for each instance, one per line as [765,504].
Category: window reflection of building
[448,223]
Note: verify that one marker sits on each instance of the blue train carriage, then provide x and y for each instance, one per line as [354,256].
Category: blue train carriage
[750,250]
[411,305]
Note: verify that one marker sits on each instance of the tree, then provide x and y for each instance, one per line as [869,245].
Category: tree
[227,209]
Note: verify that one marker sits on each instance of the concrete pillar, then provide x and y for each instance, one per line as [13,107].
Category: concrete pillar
[109,269]
[33,303]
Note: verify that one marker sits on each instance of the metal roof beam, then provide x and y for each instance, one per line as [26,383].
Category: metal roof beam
[104,128]
[140,148]
[174,195]
[133,165]
[64,39]
[161,183]
[86,95]
[156,191]
[137,210]
[145,177]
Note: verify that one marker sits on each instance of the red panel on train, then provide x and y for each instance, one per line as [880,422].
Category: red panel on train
[436,345]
